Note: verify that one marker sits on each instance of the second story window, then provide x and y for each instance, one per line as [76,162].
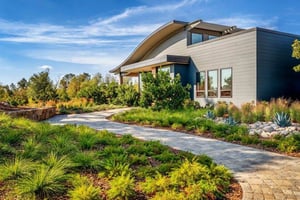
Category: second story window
[196,38]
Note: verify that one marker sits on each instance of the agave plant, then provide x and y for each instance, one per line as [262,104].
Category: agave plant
[230,121]
[210,114]
[282,119]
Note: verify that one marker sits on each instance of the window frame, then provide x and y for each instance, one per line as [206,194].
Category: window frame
[198,83]
[217,88]
[221,86]
[190,38]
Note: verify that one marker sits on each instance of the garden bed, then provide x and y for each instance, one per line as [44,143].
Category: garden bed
[82,162]
[193,122]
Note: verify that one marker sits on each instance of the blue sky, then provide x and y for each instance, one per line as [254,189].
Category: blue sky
[75,36]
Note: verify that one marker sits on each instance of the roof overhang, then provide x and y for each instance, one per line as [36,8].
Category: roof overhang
[152,41]
[147,65]
[211,27]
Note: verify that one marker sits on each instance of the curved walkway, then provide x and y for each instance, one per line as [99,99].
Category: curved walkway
[262,175]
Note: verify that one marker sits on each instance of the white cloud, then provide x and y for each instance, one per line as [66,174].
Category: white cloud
[45,67]
[101,32]
[86,57]
[247,21]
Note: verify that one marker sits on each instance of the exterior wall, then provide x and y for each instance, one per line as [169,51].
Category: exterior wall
[237,51]
[275,76]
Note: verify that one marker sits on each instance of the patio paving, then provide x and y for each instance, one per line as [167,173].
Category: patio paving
[262,174]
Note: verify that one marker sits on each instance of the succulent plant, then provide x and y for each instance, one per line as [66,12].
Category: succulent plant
[230,121]
[210,114]
[282,119]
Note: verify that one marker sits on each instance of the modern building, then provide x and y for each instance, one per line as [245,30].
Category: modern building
[221,63]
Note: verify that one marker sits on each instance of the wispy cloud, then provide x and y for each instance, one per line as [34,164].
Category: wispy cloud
[248,21]
[85,57]
[103,31]
[45,67]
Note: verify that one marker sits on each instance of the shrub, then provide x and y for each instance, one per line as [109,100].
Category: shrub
[221,108]
[169,195]
[85,192]
[163,92]
[270,143]
[121,187]
[190,104]
[189,173]
[127,95]
[177,126]
[290,144]
[157,184]
[83,189]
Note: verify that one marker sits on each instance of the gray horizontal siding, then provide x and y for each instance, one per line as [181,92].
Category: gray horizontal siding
[238,52]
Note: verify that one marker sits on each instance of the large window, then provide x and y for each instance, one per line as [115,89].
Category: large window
[212,81]
[226,82]
[200,84]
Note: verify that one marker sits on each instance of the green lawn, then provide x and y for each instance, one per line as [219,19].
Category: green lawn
[42,161]
[193,120]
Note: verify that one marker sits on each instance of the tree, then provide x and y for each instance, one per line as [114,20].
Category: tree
[22,84]
[76,84]
[296,54]
[41,88]
[63,86]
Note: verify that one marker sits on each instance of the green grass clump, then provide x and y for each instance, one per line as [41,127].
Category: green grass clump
[77,162]
[83,189]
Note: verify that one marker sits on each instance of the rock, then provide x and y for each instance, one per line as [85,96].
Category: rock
[284,132]
[273,133]
[251,132]
[265,134]
[268,129]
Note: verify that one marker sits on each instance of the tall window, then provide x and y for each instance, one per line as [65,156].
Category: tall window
[200,84]
[226,82]
[212,80]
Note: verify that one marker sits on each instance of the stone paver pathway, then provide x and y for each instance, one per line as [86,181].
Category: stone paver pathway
[262,175]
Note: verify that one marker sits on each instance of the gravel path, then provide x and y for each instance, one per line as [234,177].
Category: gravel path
[262,174]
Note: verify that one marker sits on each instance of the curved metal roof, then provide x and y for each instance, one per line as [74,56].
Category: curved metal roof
[152,41]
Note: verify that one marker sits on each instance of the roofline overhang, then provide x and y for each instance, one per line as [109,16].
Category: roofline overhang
[154,62]
[155,38]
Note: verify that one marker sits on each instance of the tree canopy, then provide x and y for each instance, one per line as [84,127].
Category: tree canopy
[41,87]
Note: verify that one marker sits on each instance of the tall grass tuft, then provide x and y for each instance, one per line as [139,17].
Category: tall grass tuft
[15,168]
[247,113]
[295,111]
[42,183]
[221,108]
